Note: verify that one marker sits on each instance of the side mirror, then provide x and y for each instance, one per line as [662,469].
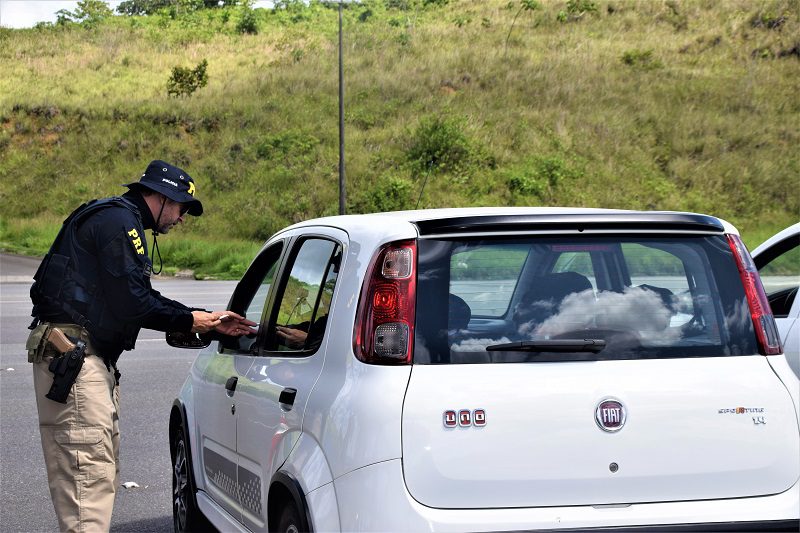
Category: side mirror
[179,339]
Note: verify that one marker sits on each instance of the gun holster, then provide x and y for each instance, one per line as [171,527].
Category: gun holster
[65,369]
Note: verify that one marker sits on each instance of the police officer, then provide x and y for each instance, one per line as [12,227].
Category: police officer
[94,285]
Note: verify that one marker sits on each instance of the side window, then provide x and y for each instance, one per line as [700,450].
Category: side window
[654,266]
[580,262]
[301,313]
[251,293]
[256,306]
[780,278]
[663,273]
[485,277]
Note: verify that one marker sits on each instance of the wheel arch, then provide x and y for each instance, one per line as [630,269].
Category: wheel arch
[284,487]
[178,419]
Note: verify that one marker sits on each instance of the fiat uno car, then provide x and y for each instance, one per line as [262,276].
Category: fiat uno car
[493,370]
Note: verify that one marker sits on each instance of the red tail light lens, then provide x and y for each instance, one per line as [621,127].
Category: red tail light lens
[769,342]
[384,331]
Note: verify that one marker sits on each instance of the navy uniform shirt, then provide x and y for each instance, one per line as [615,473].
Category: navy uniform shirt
[115,237]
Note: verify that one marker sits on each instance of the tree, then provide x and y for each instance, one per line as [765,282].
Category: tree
[88,13]
[142,7]
[150,7]
[524,5]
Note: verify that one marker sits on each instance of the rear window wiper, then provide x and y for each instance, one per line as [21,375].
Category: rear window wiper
[554,345]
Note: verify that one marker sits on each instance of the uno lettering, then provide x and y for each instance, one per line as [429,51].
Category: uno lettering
[165,180]
[133,233]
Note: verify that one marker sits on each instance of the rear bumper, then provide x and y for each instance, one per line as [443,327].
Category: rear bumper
[375,498]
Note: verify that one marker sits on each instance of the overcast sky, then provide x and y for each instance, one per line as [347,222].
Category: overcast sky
[26,13]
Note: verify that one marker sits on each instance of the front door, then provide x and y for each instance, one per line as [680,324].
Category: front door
[272,396]
[220,370]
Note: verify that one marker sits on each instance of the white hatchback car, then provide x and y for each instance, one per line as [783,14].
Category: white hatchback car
[493,369]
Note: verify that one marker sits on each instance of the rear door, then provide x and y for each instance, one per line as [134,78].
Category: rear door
[676,406]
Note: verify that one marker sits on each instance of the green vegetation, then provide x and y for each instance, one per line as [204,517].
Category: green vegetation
[184,81]
[669,105]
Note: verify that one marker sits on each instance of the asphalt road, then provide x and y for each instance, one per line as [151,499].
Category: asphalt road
[152,375]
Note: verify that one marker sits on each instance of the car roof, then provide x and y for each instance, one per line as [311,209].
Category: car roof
[449,220]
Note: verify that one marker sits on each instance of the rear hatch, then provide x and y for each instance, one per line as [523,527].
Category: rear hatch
[665,397]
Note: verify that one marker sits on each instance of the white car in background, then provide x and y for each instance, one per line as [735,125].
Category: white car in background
[493,369]
[778,263]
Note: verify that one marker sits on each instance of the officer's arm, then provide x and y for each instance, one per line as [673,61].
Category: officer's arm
[174,303]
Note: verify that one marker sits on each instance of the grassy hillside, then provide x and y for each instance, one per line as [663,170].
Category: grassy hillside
[686,105]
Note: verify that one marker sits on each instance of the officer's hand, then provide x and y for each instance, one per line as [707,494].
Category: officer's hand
[236,327]
[204,322]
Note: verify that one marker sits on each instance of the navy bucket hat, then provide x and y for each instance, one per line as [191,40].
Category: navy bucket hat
[172,182]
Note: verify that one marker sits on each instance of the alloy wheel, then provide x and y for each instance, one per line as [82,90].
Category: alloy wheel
[180,486]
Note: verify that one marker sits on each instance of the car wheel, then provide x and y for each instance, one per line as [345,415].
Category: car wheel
[290,521]
[186,516]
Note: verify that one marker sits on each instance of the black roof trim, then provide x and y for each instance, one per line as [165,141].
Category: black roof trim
[576,221]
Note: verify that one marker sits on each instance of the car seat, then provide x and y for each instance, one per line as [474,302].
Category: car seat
[458,313]
[546,294]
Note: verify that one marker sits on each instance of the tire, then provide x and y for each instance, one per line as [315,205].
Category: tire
[186,516]
[290,521]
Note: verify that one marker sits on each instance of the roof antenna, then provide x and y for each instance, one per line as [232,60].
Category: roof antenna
[427,174]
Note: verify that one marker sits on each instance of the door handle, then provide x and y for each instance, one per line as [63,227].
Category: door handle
[287,397]
[230,386]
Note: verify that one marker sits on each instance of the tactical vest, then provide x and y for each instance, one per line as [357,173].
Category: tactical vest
[66,282]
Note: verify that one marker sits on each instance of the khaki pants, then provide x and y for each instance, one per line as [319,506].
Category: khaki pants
[80,440]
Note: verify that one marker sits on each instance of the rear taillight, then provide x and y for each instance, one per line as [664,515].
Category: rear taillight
[384,331]
[769,342]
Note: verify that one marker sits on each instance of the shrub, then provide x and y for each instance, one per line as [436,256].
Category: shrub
[768,19]
[391,193]
[461,21]
[440,144]
[184,81]
[401,5]
[540,176]
[286,144]
[678,19]
[642,59]
[526,184]
[365,15]
[581,6]
[248,23]
[576,9]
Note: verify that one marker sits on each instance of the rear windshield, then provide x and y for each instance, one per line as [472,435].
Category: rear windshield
[638,297]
